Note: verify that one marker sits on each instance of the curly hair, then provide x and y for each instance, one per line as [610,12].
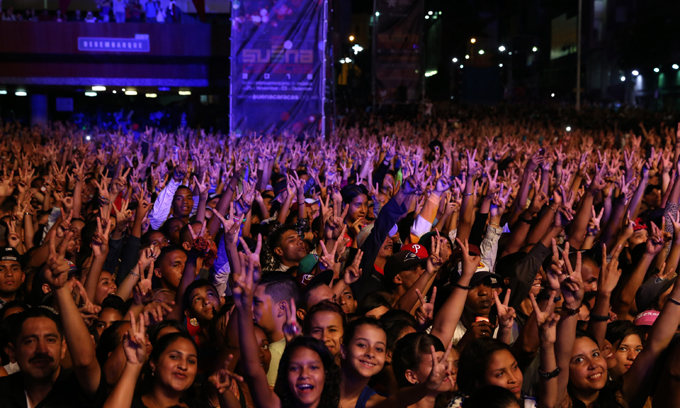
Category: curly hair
[330,395]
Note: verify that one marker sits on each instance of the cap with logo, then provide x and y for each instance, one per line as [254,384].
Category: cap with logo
[10,254]
[402,261]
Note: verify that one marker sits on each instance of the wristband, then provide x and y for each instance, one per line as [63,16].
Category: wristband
[675,302]
[599,318]
[572,312]
[462,287]
[467,194]
[549,375]
[526,221]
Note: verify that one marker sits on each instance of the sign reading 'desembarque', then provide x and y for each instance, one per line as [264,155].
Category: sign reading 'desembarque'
[138,44]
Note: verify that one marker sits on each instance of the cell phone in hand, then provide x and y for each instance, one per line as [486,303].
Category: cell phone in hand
[482,319]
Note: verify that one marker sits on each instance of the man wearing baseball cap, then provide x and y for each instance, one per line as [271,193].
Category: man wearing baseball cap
[11,275]
[404,268]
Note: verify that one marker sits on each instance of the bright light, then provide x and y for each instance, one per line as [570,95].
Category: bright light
[467,56]
[623,79]
[88,138]
[351,38]
[377,14]
[501,48]
[656,69]
[3,92]
[185,93]
[348,60]
[114,91]
[473,40]
[430,73]
[20,93]
[500,65]
[90,94]
[568,128]
[427,17]
[440,13]
[435,17]
[151,95]
[552,95]
[675,66]
[429,13]
[99,88]
[481,52]
[123,89]
[357,48]
[131,93]
[635,72]
[534,49]
[510,53]
[461,66]
[455,60]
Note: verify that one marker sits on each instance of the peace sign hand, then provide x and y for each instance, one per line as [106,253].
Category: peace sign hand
[134,341]
[506,314]
[434,261]
[425,313]
[353,272]
[546,319]
[610,273]
[470,262]
[88,311]
[222,378]
[291,328]
[56,271]
[571,282]
[440,369]
[143,292]
[254,256]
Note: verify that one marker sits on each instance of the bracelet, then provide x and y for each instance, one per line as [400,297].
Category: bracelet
[572,312]
[467,194]
[103,201]
[554,373]
[554,209]
[599,318]
[675,302]
[526,221]
[462,287]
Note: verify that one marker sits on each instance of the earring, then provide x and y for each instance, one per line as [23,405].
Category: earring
[416,382]
[153,372]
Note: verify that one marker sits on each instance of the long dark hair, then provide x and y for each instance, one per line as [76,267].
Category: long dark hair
[474,360]
[330,396]
[162,343]
[607,397]
[408,352]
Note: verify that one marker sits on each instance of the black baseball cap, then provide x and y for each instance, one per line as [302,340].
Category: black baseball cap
[401,261]
[650,291]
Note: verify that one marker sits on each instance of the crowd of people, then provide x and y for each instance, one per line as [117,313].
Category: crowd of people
[451,262]
[119,11]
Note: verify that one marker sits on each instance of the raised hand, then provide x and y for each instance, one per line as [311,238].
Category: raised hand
[56,270]
[434,261]
[506,314]
[353,272]
[610,272]
[546,319]
[222,378]
[594,223]
[425,312]
[88,310]
[571,282]
[470,262]
[100,242]
[254,256]
[291,328]
[440,369]
[134,341]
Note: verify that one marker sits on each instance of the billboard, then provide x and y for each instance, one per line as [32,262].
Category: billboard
[398,51]
[277,60]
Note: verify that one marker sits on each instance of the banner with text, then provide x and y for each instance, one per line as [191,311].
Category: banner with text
[277,76]
[398,54]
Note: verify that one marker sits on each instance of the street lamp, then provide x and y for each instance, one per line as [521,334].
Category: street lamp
[351,38]
[473,40]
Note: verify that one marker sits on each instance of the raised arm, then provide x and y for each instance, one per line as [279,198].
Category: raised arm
[446,320]
[80,344]
[134,346]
